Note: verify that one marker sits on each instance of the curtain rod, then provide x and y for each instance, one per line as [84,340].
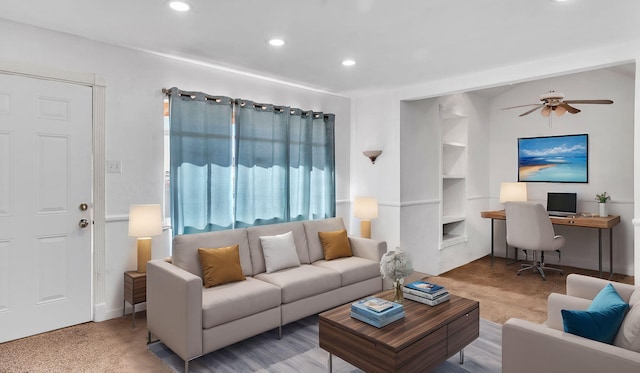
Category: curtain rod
[167,92]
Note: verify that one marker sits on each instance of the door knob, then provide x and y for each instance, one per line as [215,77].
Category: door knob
[83,223]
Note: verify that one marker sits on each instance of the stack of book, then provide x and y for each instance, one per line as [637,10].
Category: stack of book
[426,292]
[376,311]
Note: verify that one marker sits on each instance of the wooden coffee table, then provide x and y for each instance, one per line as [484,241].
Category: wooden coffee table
[424,339]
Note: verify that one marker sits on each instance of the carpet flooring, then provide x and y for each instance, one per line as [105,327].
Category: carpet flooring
[112,346]
[298,351]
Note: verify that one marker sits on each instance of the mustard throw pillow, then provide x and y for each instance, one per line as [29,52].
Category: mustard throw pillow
[335,244]
[220,265]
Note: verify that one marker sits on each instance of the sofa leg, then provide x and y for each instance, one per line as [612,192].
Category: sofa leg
[186,366]
[280,332]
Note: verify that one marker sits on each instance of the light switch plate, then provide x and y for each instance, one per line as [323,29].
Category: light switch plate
[114,167]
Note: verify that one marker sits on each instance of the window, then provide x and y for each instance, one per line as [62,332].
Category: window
[236,163]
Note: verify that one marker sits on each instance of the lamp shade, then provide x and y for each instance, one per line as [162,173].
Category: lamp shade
[513,192]
[366,208]
[145,220]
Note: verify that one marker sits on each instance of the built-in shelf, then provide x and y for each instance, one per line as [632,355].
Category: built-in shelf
[453,140]
[450,113]
[452,239]
[454,144]
[452,219]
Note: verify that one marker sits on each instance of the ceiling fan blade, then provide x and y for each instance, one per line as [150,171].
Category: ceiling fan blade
[588,101]
[532,110]
[569,108]
[514,107]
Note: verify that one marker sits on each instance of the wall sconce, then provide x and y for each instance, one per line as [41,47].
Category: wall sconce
[513,192]
[372,155]
[365,208]
[145,221]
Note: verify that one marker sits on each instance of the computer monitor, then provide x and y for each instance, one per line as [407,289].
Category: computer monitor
[561,204]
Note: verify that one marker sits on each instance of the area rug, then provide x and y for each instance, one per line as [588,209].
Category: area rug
[298,351]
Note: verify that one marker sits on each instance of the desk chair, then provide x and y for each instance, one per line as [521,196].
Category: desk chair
[529,228]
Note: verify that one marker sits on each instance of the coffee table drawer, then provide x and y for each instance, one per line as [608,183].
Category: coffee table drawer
[359,351]
[420,356]
[425,354]
[463,331]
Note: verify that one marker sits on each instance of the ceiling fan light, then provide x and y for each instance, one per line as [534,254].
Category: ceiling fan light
[560,111]
[546,111]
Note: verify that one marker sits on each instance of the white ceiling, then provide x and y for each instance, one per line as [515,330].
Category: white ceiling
[395,42]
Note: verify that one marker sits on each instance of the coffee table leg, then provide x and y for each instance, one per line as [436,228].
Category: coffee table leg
[330,362]
[462,356]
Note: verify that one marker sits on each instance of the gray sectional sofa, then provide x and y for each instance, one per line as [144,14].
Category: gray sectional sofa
[193,320]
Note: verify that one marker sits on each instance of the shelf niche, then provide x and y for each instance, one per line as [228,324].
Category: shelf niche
[454,134]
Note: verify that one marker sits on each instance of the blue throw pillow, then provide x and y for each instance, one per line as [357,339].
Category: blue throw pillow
[601,320]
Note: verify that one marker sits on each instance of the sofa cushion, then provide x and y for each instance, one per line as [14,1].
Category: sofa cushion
[255,247]
[601,320]
[628,336]
[335,244]
[352,269]
[279,252]
[220,265]
[301,282]
[185,249]
[312,227]
[235,300]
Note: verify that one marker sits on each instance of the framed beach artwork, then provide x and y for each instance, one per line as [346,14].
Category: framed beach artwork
[554,159]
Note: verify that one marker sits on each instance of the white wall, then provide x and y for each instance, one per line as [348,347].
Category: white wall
[376,127]
[610,129]
[134,125]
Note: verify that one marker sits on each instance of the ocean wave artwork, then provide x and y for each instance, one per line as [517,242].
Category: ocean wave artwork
[562,159]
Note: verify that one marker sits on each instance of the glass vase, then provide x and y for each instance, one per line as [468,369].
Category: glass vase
[398,295]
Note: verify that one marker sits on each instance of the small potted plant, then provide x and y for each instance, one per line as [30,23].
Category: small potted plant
[602,203]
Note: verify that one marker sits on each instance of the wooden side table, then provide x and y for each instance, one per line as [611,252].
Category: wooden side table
[135,291]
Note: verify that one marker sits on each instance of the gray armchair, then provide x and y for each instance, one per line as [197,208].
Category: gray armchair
[529,228]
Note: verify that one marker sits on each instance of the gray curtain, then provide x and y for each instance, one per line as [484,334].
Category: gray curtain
[300,156]
[322,188]
[201,162]
[262,193]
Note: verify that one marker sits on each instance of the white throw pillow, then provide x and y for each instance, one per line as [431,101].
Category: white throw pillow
[629,333]
[279,252]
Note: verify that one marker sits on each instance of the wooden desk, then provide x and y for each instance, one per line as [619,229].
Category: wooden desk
[595,222]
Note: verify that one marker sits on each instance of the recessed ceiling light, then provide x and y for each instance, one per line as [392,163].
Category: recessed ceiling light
[179,6]
[348,62]
[276,42]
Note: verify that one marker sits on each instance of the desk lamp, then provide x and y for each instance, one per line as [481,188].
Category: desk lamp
[365,208]
[145,221]
[513,192]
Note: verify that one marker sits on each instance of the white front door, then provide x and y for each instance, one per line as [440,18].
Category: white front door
[45,176]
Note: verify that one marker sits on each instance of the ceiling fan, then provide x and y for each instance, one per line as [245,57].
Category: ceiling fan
[555,102]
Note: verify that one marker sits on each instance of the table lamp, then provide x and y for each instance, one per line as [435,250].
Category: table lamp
[145,221]
[513,192]
[365,208]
